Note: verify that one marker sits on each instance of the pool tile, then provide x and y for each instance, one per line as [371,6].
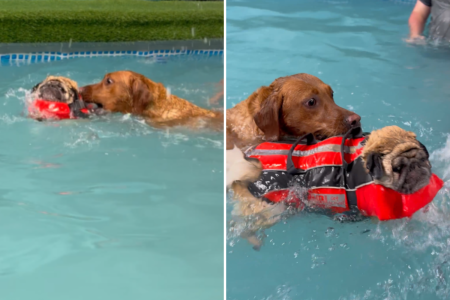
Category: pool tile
[159,54]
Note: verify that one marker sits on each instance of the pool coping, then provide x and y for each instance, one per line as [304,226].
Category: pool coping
[142,46]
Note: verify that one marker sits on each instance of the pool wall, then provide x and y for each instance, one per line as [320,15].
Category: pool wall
[59,51]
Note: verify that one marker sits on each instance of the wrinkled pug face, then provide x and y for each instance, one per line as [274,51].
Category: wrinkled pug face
[397,160]
[406,173]
[58,89]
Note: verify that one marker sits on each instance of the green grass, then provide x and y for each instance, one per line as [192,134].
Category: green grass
[28,21]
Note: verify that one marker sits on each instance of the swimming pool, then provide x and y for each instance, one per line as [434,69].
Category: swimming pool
[357,47]
[110,208]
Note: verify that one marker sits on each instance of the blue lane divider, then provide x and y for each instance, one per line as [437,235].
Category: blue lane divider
[52,56]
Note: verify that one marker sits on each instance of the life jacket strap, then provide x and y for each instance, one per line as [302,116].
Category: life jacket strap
[351,199]
[78,109]
[351,195]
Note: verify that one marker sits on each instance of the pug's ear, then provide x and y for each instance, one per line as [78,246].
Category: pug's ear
[374,164]
[35,87]
[424,149]
[75,94]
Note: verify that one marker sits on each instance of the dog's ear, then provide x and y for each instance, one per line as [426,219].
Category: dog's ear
[374,164]
[76,96]
[267,118]
[141,95]
[35,87]
[424,149]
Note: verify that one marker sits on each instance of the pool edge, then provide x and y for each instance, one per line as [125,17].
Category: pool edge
[207,44]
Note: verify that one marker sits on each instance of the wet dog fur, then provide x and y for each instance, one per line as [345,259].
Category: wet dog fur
[290,106]
[131,92]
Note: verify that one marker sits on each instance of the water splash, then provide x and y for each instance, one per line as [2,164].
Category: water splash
[83,139]
[441,159]
[282,293]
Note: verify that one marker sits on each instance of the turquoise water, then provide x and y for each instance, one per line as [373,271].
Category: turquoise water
[110,208]
[357,47]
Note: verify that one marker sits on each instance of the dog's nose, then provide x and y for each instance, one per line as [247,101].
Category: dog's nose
[353,120]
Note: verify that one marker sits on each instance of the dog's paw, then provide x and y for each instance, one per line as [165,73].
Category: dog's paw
[255,240]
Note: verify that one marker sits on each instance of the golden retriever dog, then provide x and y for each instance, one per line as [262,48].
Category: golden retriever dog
[291,106]
[133,93]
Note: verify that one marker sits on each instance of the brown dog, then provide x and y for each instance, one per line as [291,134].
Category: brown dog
[291,106]
[130,92]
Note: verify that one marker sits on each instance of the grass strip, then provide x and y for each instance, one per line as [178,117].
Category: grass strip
[25,21]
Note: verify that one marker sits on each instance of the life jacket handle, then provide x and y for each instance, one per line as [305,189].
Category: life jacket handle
[355,132]
[290,167]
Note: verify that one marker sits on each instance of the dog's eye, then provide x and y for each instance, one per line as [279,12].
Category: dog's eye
[396,169]
[311,102]
[63,90]
[109,81]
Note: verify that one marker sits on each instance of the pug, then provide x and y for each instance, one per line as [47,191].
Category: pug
[397,160]
[63,89]
[56,88]
[392,156]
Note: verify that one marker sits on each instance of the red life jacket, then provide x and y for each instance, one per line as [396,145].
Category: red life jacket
[53,110]
[331,175]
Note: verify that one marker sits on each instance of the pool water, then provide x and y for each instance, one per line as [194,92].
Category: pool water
[358,48]
[110,208]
